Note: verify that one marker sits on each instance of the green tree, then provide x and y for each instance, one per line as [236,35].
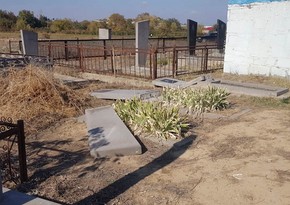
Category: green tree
[117,23]
[61,25]
[7,20]
[27,20]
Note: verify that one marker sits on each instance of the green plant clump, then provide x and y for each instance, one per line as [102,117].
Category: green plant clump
[202,100]
[152,117]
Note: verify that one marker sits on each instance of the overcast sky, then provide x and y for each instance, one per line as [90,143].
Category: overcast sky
[203,11]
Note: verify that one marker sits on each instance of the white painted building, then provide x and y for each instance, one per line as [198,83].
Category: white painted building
[258,37]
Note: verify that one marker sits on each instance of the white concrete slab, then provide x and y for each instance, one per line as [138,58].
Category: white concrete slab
[123,94]
[108,135]
[11,197]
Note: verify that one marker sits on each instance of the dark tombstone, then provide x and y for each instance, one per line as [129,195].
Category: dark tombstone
[191,35]
[221,34]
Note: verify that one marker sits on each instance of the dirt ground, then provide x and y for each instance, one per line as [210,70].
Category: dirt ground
[239,161]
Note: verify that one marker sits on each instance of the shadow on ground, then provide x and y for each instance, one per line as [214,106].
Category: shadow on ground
[123,184]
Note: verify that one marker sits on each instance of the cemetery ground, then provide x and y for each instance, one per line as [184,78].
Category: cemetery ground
[243,160]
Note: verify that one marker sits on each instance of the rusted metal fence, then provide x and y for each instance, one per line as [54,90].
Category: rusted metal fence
[162,62]
[165,56]
[9,135]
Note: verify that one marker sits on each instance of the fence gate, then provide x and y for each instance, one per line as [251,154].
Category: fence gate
[12,168]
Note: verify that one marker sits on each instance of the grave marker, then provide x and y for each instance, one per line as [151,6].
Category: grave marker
[29,42]
[105,33]
[142,40]
[191,35]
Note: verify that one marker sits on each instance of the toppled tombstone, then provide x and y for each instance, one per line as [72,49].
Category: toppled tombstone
[250,88]
[123,94]
[175,83]
[108,135]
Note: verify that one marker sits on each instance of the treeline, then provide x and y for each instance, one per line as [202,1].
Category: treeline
[118,23]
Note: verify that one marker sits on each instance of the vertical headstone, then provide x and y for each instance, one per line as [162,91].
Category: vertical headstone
[105,33]
[29,42]
[142,35]
[191,35]
[221,33]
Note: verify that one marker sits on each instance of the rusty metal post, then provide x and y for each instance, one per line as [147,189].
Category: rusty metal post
[150,63]
[105,49]
[163,44]
[154,76]
[80,55]
[65,50]
[22,151]
[49,50]
[9,44]
[113,61]
[174,62]
[205,59]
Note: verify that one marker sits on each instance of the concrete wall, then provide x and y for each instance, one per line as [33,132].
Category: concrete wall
[258,37]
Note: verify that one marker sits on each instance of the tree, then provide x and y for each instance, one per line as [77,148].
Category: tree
[117,23]
[44,21]
[61,25]
[27,20]
[7,20]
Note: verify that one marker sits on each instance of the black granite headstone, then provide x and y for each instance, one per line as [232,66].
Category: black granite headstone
[221,33]
[191,35]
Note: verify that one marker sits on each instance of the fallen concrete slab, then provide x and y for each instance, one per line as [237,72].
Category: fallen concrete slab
[108,135]
[66,79]
[175,83]
[10,197]
[122,94]
[251,88]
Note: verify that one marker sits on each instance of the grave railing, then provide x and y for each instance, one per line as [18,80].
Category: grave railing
[160,62]
[11,134]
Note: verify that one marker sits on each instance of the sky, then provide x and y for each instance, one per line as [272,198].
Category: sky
[204,12]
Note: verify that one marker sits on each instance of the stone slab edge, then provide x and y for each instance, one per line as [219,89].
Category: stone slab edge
[130,146]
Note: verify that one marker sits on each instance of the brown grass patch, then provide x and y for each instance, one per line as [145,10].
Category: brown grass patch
[32,94]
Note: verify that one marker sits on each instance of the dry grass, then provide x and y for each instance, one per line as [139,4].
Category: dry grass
[32,94]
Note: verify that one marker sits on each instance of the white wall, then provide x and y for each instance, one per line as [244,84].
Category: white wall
[258,39]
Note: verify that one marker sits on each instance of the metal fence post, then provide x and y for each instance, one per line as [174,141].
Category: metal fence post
[22,151]
[205,59]
[65,50]
[174,62]
[80,52]
[154,76]
[9,44]
[105,49]
[49,50]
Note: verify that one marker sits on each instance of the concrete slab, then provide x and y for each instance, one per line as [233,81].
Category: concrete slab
[175,83]
[251,88]
[108,135]
[69,79]
[11,197]
[123,94]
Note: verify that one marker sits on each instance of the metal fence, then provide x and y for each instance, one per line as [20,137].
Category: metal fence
[160,62]
[9,135]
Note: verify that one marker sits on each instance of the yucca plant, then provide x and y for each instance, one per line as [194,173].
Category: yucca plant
[152,118]
[199,101]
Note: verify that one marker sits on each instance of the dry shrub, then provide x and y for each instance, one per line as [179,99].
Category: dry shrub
[34,95]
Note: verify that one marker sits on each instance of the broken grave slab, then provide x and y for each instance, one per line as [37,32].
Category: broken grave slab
[175,83]
[108,135]
[251,88]
[122,94]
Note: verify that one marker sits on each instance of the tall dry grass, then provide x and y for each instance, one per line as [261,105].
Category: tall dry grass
[32,94]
